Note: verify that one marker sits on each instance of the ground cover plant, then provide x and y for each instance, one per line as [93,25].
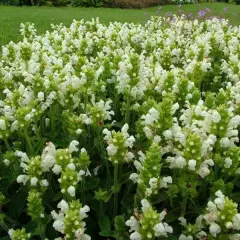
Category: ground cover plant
[121,131]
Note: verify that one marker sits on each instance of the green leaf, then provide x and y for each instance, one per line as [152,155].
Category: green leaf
[235,196]
[160,198]
[173,214]
[119,223]
[124,178]
[107,234]
[17,204]
[104,223]
[5,238]
[58,196]
[172,238]
[93,183]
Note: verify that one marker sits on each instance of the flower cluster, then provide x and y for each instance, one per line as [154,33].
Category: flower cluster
[221,220]
[148,224]
[118,145]
[69,221]
[149,179]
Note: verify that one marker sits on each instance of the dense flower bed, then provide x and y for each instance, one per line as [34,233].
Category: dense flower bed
[122,131]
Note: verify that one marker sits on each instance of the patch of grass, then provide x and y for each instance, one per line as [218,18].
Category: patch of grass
[11,17]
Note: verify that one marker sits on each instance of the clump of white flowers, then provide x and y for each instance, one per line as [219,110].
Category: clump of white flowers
[119,144]
[69,221]
[122,114]
[221,220]
[148,224]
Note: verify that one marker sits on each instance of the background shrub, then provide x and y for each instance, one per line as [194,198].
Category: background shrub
[137,3]
[9,2]
[89,3]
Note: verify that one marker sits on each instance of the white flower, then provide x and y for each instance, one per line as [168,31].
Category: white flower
[234,237]
[153,182]
[133,224]
[145,205]
[71,166]
[137,165]
[165,181]
[112,150]
[22,179]
[135,236]
[129,142]
[59,226]
[79,131]
[162,215]
[44,183]
[192,164]
[6,162]
[83,212]
[203,171]
[236,221]
[41,96]
[228,162]
[134,177]
[180,162]
[214,229]
[73,146]
[167,134]
[10,233]
[95,170]
[34,181]
[183,221]
[184,237]
[148,132]
[63,205]
[125,130]
[71,191]
[57,169]
[216,118]
[229,225]
[80,174]
[151,117]
[174,108]
[107,133]
[48,157]
[157,139]
[159,230]
[2,124]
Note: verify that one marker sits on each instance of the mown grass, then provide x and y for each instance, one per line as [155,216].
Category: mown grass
[42,17]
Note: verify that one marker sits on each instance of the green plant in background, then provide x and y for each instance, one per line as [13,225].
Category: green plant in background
[89,3]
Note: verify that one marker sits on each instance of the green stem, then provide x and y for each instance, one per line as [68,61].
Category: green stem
[7,144]
[82,192]
[52,118]
[128,190]
[235,179]
[42,230]
[116,108]
[184,205]
[103,156]
[30,147]
[115,206]
[85,102]
[127,110]
[4,226]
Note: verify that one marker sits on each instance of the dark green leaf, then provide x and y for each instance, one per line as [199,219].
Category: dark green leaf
[17,204]
[104,223]
[107,234]
[173,215]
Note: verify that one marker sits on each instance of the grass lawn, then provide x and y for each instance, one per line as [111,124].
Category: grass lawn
[11,17]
